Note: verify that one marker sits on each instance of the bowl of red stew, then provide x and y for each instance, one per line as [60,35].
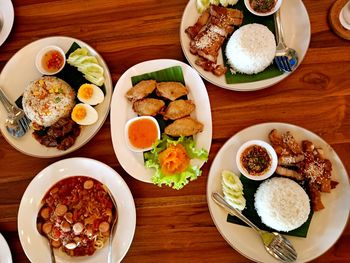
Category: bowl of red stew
[256,160]
[50,60]
[141,133]
[263,7]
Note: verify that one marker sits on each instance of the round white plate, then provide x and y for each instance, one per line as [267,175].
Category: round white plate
[297,32]
[36,246]
[121,112]
[6,16]
[326,225]
[20,70]
[5,253]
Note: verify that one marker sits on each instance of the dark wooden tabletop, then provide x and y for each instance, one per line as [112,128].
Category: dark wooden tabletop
[176,226]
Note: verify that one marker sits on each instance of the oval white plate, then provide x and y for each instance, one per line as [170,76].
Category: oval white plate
[7,17]
[5,253]
[121,112]
[296,26]
[20,70]
[326,225]
[36,246]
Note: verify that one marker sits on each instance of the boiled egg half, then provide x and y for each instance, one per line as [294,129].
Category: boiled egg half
[90,94]
[84,114]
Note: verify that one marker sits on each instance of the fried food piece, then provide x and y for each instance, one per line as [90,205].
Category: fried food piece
[207,65]
[171,90]
[184,127]
[284,144]
[148,106]
[289,173]
[141,90]
[193,31]
[178,109]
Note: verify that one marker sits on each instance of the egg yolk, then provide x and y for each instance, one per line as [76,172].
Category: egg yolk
[85,91]
[79,113]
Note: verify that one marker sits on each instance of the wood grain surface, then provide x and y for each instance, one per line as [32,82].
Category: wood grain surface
[175,226]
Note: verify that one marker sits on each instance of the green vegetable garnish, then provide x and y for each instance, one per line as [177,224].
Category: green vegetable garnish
[179,180]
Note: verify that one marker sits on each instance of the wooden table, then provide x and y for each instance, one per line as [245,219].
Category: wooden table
[175,226]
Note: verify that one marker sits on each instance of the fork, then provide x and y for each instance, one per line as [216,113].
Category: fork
[275,244]
[286,58]
[17,123]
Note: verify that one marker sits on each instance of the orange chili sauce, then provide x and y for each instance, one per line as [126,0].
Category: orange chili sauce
[52,61]
[142,133]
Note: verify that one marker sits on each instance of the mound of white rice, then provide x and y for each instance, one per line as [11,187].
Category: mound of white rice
[251,49]
[282,204]
[48,99]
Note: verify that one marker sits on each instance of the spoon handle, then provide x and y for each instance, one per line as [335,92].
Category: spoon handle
[233,211]
[7,104]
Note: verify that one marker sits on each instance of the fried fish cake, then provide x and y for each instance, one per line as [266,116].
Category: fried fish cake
[171,90]
[141,90]
[184,127]
[148,106]
[178,109]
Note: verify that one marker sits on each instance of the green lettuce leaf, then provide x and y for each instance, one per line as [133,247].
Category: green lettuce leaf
[179,180]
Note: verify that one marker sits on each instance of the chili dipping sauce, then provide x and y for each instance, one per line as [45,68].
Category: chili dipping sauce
[52,61]
[262,6]
[142,133]
[255,160]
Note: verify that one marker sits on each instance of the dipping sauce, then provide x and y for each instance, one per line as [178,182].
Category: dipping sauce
[52,61]
[142,133]
[262,6]
[256,160]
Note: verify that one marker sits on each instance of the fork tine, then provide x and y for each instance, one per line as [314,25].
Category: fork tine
[286,62]
[279,253]
[286,253]
[23,124]
[279,64]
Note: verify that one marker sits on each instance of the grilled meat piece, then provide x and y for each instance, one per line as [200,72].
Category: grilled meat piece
[141,90]
[209,40]
[184,127]
[148,106]
[178,109]
[207,65]
[202,20]
[171,90]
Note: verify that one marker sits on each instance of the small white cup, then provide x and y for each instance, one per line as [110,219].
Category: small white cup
[344,16]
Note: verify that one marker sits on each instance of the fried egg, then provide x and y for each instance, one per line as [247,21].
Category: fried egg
[90,94]
[84,114]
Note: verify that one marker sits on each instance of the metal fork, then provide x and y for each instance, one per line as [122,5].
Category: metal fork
[275,244]
[17,123]
[286,58]
[114,224]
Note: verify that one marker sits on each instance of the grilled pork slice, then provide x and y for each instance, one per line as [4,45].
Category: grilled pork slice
[148,106]
[171,90]
[178,109]
[207,65]
[209,40]
[141,90]
[184,127]
[193,31]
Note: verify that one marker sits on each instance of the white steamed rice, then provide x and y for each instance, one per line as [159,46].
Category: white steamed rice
[251,49]
[282,204]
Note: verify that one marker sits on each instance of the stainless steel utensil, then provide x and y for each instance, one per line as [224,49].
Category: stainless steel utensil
[276,245]
[286,58]
[114,223]
[17,123]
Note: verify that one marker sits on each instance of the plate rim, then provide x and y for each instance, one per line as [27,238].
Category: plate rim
[11,17]
[7,252]
[236,86]
[171,62]
[228,142]
[64,162]
[110,90]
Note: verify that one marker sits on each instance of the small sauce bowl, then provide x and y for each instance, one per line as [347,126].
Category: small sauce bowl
[141,133]
[50,60]
[257,13]
[257,153]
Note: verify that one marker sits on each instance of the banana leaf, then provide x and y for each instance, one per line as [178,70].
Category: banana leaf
[249,189]
[167,74]
[269,72]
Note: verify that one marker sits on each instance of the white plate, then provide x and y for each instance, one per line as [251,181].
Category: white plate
[296,26]
[326,225]
[121,112]
[5,253]
[6,16]
[36,246]
[20,70]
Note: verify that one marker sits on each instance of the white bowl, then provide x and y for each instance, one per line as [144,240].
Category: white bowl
[40,55]
[273,10]
[126,132]
[271,152]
